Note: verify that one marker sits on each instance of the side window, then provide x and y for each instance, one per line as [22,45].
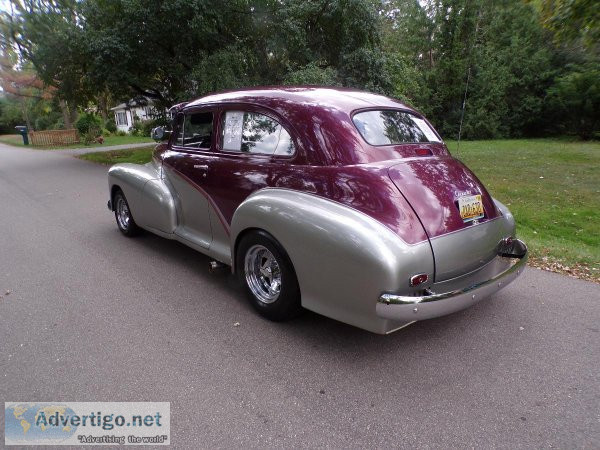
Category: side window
[249,132]
[179,125]
[197,130]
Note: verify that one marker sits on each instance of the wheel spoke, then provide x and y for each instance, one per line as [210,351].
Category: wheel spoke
[263,274]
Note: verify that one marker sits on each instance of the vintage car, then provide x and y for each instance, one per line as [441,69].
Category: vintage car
[342,202]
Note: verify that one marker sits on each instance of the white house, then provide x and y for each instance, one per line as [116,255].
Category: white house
[137,109]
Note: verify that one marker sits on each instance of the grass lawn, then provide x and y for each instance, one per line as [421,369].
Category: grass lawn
[551,186]
[140,155]
[12,139]
[16,139]
[115,140]
[553,189]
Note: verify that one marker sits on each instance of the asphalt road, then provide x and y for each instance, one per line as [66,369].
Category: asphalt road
[94,316]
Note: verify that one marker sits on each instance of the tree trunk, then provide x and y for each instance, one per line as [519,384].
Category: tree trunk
[103,106]
[66,115]
[26,115]
[73,115]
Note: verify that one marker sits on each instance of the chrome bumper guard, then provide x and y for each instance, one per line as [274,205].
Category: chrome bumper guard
[404,308]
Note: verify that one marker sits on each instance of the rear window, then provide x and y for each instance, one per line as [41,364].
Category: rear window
[391,127]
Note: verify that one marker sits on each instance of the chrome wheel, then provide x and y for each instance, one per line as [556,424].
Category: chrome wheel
[263,274]
[122,213]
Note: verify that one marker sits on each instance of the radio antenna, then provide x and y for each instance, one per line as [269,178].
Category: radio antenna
[464,103]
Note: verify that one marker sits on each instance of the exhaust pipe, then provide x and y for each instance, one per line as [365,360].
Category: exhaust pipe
[216,267]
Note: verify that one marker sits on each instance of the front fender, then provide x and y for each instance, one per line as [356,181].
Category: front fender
[343,258]
[150,199]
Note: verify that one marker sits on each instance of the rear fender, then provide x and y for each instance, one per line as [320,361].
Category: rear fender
[343,258]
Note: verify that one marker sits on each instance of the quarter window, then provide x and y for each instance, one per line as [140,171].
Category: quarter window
[197,130]
[249,132]
[391,127]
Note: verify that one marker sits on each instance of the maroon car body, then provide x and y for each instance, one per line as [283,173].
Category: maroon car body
[411,188]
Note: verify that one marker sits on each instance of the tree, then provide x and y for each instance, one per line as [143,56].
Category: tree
[572,20]
[171,51]
[511,70]
[573,101]
[45,33]
[21,83]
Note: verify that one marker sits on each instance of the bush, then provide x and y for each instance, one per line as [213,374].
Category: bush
[43,123]
[106,133]
[136,128]
[110,125]
[147,126]
[59,124]
[89,137]
[574,101]
[88,124]
[121,133]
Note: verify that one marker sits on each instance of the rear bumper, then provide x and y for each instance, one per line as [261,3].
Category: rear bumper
[406,308]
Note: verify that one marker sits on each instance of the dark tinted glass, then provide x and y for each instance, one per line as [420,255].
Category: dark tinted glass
[197,130]
[393,127]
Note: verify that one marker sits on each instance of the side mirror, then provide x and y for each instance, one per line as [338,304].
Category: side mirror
[160,134]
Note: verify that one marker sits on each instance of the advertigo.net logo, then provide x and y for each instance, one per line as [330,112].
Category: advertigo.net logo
[68,423]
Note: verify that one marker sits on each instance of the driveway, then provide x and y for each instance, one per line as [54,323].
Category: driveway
[94,316]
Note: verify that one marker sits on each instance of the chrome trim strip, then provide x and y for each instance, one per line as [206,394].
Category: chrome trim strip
[399,307]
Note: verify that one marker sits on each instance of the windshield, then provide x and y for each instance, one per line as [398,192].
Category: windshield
[390,127]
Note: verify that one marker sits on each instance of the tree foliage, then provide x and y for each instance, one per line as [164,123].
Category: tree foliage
[433,54]
[572,20]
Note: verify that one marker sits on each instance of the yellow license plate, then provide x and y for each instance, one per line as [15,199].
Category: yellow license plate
[470,207]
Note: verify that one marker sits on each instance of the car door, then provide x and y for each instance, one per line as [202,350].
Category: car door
[186,167]
[253,149]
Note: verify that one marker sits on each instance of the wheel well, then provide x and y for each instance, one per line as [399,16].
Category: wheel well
[250,230]
[113,191]
[237,242]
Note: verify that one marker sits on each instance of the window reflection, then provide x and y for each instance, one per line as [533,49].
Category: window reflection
[393,127]
[250,132]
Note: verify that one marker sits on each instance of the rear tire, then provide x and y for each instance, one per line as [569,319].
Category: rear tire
[123,215]
[268,277]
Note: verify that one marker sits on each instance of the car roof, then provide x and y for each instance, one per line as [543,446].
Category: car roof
[293,97]
[320,116]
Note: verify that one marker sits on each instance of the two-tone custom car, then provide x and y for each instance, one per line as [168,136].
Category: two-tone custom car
[342,202]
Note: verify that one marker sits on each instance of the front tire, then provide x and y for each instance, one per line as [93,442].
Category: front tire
[123,215]
[268,277]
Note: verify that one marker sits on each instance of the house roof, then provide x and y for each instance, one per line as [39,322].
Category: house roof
[133,103]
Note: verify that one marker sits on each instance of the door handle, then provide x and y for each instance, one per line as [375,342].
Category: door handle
[201,166]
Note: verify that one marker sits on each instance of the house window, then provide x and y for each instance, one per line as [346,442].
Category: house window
[249,132]
[121,118]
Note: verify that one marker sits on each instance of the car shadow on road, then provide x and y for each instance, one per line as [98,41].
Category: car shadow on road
[328,337]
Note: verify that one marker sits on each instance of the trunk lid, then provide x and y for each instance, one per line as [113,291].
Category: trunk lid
[432,186]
